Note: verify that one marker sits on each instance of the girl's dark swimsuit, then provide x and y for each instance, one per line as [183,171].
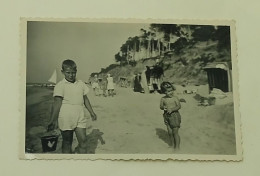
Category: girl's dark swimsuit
[172,119]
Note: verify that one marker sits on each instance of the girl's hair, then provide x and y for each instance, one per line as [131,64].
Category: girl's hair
[69,63]
[167,86]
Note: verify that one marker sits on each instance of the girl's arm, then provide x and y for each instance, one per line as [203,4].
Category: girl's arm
[161,104]
[55,113]
[89,108]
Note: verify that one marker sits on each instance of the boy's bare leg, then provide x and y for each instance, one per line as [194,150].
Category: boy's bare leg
[177,139]
[82,137]
[67,138]
[170,133]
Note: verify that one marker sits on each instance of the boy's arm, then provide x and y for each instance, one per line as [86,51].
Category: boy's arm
[55,112]
[89,108]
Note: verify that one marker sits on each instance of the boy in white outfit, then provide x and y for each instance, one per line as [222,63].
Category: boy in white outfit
[70,96]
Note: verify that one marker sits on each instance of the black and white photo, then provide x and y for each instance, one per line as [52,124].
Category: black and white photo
[129,89]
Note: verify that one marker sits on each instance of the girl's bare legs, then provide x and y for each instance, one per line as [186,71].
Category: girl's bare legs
[170,133]
[176,136]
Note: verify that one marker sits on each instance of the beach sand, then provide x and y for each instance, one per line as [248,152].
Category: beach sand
[132,123]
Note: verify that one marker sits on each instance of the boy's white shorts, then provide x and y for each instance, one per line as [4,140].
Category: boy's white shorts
[71,116]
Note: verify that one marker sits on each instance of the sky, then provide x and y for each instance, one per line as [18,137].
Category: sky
[91,45]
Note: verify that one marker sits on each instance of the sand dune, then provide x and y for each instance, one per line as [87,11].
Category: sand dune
[132,123]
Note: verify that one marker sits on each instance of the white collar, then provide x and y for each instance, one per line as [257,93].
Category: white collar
[64,80]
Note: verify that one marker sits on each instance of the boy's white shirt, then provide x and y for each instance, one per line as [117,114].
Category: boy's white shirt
[72,93]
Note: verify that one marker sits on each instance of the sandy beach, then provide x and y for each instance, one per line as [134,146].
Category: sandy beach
[132,123]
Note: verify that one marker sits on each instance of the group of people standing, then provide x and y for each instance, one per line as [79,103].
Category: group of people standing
[149,80]
[103,85]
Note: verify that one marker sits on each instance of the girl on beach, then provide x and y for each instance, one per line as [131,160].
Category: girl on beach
[170,104]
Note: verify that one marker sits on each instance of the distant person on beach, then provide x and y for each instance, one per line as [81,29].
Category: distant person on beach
[144,82]
[110,85]
[104,86]
[158,74]
[132,81]
[95,85]
[172,118]
[137,83]
[70,96]
[148,74]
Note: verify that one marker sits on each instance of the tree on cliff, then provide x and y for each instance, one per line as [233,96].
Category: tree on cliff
[161,38]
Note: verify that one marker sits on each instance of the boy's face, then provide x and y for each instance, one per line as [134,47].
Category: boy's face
[69,74]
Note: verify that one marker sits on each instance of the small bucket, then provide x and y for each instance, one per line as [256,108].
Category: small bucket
[49,143]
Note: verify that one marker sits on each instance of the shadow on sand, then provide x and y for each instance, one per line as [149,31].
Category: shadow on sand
[163,135]
[92,140]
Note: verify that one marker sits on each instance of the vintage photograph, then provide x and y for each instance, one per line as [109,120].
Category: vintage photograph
[129,89]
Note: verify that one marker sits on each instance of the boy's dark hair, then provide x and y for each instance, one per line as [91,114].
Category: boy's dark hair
[69,63]
[167,86]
